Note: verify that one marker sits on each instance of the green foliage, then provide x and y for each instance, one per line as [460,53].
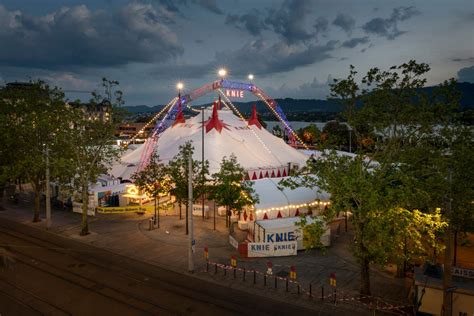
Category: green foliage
[335,135]
[228,188]
[91,141]
[178,173]
[32,122]
[311,232]
[153,179]
[310,134]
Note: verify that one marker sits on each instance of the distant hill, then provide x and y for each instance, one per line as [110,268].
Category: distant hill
[290,105]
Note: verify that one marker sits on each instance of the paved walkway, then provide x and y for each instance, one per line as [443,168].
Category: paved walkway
[128,234]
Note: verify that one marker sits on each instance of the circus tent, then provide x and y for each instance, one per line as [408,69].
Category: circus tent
[260,153]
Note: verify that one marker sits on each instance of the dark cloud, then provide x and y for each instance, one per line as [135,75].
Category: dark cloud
[210,5]
[388,28]
[289,21]
[463,60]
[256,56]
[353,42]
[78,36]
[251,21]
[264,59]
[175,5]
[345,22]
[466,74]
[321,25]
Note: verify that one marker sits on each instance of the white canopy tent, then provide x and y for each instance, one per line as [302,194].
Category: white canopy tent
[274,199]
[258,151]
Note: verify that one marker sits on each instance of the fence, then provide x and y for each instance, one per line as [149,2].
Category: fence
[321,293]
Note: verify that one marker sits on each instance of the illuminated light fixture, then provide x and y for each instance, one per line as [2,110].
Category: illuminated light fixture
[222,72]
[179,86]
[250,77]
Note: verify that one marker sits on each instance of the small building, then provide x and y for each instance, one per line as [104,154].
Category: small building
[428,290]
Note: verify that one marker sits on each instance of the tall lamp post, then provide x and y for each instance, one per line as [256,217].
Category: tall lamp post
[250,76]
[350,138]
[222,73]
[191,244]
[202,158]
[48,192]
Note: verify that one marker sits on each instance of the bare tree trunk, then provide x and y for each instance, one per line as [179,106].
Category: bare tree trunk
[447,309]
[36,213]
[180,207]
[231,225]
[85,206]
[364,277]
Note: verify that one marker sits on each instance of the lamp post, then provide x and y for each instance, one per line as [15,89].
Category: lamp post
[190,215]
[48,192]
[180,87]
[250,76]
[222,73]
[202,158]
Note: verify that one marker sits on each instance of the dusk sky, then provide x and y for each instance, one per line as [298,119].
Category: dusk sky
[292,47]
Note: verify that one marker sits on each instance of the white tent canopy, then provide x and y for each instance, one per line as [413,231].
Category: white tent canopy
[274,198]
[256,149]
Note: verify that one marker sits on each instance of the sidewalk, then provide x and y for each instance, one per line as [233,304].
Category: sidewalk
[128,234]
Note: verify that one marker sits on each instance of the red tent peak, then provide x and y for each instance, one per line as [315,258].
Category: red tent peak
[253,120]
[179,117]
[214,121]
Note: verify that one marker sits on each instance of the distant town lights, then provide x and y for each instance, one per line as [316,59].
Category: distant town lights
[222,72]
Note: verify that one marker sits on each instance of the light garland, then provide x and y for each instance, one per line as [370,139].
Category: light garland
[292,206]
[154,118]
[281,120]
[243,119]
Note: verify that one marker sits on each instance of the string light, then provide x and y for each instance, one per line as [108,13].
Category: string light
[154,118]
[281,120]
[292,206]
[243,119]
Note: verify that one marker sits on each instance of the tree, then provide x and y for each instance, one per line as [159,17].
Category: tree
[178,173]
[310,134]
[154,181]
[395,172]
[335,135]
[91,142]
[229,190]
[33,122]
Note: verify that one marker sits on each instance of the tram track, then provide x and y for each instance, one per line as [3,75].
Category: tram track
[141,303]
[152,289]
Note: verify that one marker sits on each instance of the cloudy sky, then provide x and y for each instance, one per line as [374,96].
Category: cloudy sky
[293,47]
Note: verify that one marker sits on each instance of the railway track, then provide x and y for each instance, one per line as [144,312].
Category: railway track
[108,278]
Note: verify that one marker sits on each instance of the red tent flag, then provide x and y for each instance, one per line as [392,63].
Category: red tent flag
[214,121]
[253,120]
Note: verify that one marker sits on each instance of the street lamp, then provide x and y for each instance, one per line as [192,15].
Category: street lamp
[179,86]
[222,73]
[250,77]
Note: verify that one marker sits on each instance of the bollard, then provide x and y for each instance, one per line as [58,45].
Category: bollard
[207,266]
[298,287]
[215,268]
[234,274]
[334,296]
[150,224]
[276,282]
[244,275]
[322,292]
[287,284]
[225,270]
[254,277]
[310,291]
[264,280]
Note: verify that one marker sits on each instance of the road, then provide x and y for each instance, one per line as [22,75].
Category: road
[53,275]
